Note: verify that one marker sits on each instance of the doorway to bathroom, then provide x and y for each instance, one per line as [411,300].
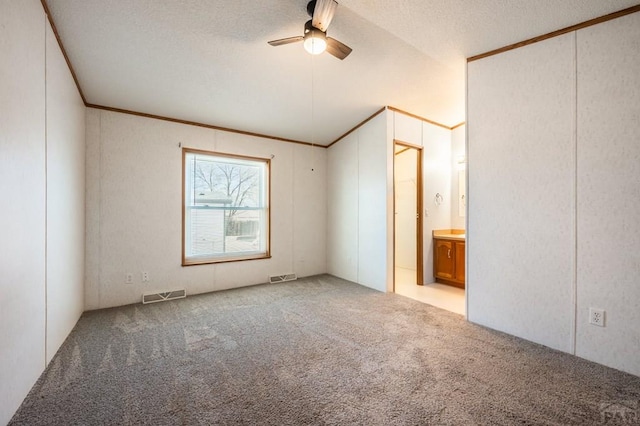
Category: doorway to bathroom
[408,238]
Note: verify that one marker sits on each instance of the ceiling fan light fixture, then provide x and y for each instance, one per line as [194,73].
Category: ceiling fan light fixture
[315,42]
[315,38]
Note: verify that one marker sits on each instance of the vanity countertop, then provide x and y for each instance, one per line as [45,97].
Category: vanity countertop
[450,234]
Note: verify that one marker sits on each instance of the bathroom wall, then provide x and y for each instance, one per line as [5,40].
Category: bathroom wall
[437,180]
[437,145]
[458,177]
[405,207]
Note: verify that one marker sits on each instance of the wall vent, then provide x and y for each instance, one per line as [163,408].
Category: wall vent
[282,278]
[164,296]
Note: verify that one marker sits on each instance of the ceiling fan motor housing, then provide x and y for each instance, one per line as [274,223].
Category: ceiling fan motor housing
[311,7]
[309,28]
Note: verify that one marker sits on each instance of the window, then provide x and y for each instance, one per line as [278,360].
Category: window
[225,215]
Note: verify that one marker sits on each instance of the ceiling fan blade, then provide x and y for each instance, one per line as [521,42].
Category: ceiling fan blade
[323,13]
[288,40]
[337,48]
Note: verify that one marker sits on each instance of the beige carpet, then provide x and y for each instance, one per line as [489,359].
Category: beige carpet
[315,351]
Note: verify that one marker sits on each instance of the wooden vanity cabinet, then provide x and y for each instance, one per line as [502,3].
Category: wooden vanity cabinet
[459,250]
[444,265]
[449,262]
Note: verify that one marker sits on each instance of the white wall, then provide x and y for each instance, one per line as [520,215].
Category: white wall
[375,205]
[22,185]
[436,142]
[407,129]
[520,240]
[406,198]
[134,208]
[608,169]
[342,208]
[65,198]
[458,150]
[553,196]
[436,170]
[358,204]
[41,160]
[360,201]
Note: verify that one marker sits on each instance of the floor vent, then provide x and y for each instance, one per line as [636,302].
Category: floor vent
[282,278]
[162,297]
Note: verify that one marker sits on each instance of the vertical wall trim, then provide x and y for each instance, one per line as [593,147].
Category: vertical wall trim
[358,208]
[393,196]
[467,192]
[100,212]
[293,209]
[574,283]
[46,198]
[422,217]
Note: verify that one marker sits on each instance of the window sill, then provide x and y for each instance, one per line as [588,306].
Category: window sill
[226,259]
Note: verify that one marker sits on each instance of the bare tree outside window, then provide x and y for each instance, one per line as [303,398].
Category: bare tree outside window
[225,204]
[238,183]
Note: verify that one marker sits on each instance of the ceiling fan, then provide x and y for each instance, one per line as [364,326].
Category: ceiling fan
[315,31]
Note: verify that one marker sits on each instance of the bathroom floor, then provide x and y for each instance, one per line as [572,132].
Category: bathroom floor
[439,295]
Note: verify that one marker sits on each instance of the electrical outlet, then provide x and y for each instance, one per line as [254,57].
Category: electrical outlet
[596,317]
[128,278]
[145,276]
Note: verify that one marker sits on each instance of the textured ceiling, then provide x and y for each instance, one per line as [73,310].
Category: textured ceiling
[208,60]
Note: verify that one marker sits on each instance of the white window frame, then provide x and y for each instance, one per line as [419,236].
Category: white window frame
[189,204]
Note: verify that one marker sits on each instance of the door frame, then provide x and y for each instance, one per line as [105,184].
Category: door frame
[419,209]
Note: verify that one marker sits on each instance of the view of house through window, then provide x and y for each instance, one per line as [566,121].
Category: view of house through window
[226,207]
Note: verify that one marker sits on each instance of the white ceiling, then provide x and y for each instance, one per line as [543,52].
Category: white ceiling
[208,60]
